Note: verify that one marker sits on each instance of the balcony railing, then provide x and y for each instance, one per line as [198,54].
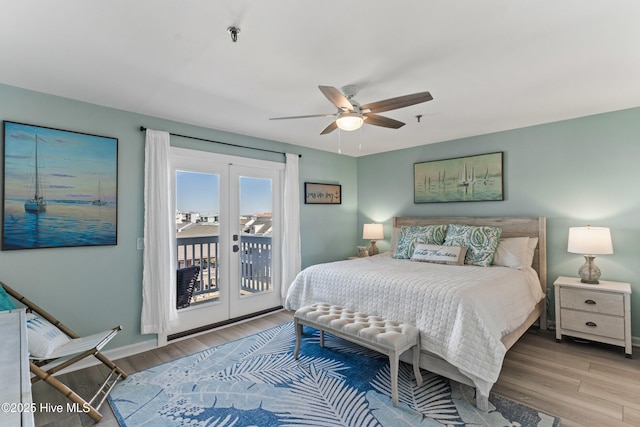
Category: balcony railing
[203,252]
[255,264]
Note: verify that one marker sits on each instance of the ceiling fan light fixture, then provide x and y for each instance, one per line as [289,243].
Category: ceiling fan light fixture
[349,121]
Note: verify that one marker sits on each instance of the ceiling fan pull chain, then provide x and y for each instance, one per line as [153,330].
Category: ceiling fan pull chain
[339,141]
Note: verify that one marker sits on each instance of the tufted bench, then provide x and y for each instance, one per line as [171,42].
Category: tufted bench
[385,336]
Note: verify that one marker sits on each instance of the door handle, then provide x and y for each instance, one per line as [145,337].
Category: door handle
[236,248]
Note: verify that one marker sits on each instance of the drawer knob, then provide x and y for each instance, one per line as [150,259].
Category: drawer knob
[590,301]
[592,324]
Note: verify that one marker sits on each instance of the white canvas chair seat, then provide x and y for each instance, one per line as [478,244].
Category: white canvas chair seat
[54,347]
[79,345]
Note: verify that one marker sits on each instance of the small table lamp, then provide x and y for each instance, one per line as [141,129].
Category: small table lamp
[589,241]
[373,232]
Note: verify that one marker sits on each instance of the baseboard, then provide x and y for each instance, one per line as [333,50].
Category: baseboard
[114,354]
[132,349]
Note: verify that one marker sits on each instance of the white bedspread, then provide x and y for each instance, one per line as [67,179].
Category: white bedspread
[461,311]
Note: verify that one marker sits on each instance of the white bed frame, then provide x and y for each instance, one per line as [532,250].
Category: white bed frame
[511,227]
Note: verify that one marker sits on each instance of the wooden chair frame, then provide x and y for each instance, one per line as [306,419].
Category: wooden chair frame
[45,369]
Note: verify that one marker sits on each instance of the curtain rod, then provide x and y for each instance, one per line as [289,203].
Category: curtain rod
[142,129]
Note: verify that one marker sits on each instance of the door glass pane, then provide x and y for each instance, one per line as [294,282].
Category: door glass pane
[256,227]
[197,230]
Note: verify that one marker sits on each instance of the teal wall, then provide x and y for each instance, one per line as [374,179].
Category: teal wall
[93,288]
[574,172]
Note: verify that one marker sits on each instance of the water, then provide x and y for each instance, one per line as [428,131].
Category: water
[64,224]
[481,190]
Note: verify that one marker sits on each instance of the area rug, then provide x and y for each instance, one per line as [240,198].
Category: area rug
[255,381]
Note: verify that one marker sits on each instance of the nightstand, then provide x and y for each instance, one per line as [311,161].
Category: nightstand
[595,312]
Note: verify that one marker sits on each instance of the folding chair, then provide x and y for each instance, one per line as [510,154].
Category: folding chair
[54,347]
[186,279]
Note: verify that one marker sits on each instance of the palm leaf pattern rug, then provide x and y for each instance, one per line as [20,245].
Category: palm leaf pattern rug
[255,381]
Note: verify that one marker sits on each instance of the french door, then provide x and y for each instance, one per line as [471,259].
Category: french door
[228,222]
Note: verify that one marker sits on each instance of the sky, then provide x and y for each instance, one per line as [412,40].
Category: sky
[71,165]
[198,192]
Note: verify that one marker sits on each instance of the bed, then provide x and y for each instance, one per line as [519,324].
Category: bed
[468,315]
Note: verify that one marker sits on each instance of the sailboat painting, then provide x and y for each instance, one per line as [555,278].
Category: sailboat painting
[60,188]
[461,179]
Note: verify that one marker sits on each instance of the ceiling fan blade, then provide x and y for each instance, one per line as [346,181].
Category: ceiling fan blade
[398,102]
[336,97]
[302,117]
[332,126]
[376,120]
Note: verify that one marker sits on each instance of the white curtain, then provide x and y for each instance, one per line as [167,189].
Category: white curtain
[159,272]
[291,262]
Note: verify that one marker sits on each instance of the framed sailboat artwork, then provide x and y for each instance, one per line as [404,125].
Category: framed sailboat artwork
[60,188]
[461,179]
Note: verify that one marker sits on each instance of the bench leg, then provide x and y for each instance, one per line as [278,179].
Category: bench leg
[393,365]
[298,328]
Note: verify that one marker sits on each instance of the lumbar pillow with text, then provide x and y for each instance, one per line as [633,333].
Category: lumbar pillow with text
[452,255]
[412,235]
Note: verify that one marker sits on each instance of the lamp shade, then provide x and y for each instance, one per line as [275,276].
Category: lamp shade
[373,232]
[590,240]
[350,121]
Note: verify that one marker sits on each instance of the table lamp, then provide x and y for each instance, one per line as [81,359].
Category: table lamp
[589,241]
[373,232]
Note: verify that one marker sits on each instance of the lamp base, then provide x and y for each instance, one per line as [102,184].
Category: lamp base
[589,272]
[373,249]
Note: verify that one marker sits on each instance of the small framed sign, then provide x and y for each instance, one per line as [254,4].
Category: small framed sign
[322,194]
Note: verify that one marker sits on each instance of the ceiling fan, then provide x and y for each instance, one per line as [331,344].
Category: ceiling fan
[351,115]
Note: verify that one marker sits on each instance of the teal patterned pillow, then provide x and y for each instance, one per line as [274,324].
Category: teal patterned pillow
[481,242]
[411,235]
[5,301]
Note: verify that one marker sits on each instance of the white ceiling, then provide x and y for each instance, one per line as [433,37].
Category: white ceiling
[490,65]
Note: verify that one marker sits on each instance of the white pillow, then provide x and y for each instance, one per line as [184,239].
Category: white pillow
[43,337]
[531,249]
[514,252]
[452,255]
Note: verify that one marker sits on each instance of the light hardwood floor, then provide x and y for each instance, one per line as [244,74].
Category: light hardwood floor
[583,384]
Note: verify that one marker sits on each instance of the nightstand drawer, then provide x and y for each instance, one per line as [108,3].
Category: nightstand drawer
[593,323]
[593,301]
